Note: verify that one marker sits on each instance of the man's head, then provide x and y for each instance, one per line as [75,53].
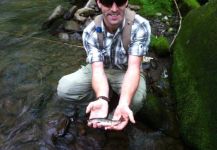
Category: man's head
[113,12]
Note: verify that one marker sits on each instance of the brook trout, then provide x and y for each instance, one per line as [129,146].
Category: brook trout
[104,121]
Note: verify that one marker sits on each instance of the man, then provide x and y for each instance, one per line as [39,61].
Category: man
[111,65]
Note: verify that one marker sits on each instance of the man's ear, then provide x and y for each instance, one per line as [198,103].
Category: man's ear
[127,4]
[98,4]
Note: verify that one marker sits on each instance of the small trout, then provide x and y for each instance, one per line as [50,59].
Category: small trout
[104,121]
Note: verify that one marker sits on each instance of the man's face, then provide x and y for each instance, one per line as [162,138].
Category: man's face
[113,12]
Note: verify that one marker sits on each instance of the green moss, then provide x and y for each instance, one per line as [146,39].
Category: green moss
[153,112]
[153,103]
[160,45]
[192,4]
[195,78]
[187,5]
[151,7]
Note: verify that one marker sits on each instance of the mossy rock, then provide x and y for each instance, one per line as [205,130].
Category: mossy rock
[160,45]
[153,112]
[195,77]
[188,5]
[158,116]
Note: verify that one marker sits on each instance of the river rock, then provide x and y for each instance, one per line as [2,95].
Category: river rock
[72,26]
[70,13]
[82,14]
[57,13]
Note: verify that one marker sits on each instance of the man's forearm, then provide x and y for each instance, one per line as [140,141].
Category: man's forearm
[99,80]
[129,86]
[131,80]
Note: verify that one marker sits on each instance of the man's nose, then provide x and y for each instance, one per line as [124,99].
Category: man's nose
[114,7]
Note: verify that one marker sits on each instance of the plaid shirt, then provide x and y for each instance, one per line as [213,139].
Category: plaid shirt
[113,54]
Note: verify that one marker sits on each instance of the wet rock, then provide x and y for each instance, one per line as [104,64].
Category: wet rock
[62,126]
[55,128]
[70,13]
[90,4]
[162,86]
[25,132]
[134,7]
[170,29]
[111,140]
[158,14]
[57,13]
[75,37]
[72,26]
[77,135]
[151,140]
[68,37]
[82,14]
[158,110]
[64,36]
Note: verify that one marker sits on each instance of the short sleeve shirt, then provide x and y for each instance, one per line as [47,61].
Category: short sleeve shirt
[113,54]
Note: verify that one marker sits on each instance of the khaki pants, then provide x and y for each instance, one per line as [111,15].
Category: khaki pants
[76,87]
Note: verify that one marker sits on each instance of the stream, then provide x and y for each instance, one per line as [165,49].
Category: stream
[31,115]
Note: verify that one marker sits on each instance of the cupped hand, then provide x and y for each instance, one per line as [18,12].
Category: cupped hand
[97,109]
[124,114]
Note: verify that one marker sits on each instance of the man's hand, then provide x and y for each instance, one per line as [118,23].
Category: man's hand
[124,114]
[97,109]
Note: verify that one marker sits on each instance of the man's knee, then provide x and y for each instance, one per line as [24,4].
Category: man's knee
[61,94]
[66,88]
[74,86]
[139,97]
[63,86]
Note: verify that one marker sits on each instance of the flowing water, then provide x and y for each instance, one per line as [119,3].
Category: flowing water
[31,63]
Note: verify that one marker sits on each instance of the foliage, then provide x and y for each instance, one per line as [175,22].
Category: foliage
[160,45]
[195,77]
[151,7]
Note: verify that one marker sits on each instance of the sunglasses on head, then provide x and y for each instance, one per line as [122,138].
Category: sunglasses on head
[109,3]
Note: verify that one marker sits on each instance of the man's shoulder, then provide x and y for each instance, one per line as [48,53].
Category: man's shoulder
[90,28]
[89,33]
[140,23]
[139,19]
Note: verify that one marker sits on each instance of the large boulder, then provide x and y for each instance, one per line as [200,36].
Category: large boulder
[195,77]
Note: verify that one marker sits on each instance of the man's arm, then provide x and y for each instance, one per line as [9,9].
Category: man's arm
[98,108]
[128,89]
[99,80]
[131,80]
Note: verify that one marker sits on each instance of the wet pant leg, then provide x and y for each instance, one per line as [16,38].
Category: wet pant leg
[77,87]
[116,77]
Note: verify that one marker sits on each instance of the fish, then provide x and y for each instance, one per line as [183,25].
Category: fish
[104,121]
